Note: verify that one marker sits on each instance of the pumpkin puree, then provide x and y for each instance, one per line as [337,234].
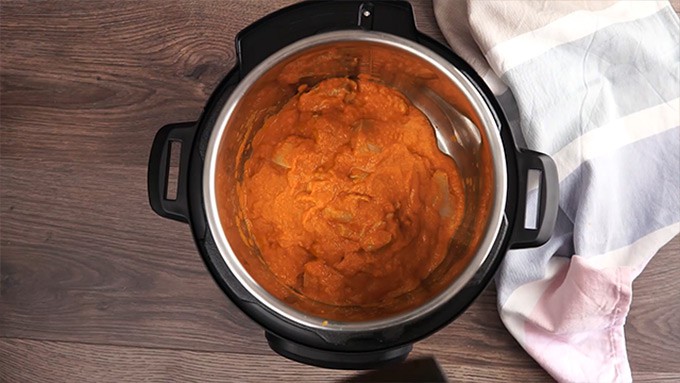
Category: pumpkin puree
[347,196]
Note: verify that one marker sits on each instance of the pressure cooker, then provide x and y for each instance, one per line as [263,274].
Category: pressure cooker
[346,39]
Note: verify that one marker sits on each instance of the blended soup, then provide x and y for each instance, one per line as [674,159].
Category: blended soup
[347,196]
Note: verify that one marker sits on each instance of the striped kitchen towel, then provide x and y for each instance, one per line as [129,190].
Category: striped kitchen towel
[595,84]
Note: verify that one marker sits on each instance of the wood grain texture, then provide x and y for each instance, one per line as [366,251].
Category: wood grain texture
[653,325]
[95,287]
[104,363]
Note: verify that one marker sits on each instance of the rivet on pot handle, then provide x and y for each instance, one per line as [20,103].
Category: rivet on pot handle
[548,200]
[159,166]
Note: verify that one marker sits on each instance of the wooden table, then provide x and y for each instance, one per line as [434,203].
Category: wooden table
[96,287]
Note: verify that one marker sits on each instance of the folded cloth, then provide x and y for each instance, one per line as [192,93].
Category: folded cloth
[595,84]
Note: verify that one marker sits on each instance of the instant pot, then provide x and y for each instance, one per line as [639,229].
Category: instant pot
[304,44]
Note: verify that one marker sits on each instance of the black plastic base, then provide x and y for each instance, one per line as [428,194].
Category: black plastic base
[337,359]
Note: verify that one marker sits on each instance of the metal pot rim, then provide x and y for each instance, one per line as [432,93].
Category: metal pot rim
[499,170]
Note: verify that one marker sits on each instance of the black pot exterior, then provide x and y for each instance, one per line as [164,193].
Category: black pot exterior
[322,347]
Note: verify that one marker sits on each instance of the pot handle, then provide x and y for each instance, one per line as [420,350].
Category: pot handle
[339,360]
[159,166]
[264,37]
[548,199]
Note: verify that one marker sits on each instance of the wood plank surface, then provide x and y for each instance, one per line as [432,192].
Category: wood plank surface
[95,287]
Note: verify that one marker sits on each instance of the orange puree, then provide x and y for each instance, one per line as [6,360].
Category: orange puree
[347,196]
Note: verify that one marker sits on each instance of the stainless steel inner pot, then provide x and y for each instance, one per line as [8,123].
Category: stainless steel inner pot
[433,84]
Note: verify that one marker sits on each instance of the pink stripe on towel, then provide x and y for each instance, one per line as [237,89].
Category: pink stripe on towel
[580,314]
